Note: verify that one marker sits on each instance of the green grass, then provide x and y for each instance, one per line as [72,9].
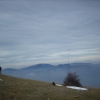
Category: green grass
[13,88]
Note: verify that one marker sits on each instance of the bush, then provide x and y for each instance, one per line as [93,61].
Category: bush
[72,79]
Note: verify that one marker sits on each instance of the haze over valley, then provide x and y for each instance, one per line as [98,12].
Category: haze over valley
[89,74]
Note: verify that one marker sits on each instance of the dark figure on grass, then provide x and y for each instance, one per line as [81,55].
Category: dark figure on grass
[53,83]
[0,69]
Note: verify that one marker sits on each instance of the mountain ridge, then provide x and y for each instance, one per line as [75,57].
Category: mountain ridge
[88,73]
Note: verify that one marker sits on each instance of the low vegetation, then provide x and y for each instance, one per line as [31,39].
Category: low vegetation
[12,88]
[72,79]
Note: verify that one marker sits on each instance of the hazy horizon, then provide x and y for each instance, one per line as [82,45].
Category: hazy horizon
[77,63]
[88,73]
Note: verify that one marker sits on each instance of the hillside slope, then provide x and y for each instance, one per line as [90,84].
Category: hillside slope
[13,88]
[88,73]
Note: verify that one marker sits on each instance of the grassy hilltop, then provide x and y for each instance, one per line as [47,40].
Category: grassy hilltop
[24,89]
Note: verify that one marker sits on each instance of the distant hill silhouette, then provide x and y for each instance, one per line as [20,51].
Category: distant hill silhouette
[88,73]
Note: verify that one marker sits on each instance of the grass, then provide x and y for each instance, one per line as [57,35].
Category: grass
[13,88]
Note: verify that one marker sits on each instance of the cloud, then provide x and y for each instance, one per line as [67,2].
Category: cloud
[43,31]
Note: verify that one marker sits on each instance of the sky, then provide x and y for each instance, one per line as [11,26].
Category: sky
[49,31]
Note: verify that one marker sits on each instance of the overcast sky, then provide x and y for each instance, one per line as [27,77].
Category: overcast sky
[43,31]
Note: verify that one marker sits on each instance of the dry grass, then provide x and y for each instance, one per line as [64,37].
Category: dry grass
[23,89]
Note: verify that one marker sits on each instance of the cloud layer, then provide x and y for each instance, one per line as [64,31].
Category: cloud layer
[34,32]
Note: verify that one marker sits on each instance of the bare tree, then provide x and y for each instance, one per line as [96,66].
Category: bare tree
[72,79]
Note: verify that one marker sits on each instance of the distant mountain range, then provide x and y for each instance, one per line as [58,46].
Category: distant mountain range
[89,74]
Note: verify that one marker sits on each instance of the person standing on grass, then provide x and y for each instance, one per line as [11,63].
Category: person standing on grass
[0,69]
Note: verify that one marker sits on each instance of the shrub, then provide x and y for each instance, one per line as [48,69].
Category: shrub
[72,79]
